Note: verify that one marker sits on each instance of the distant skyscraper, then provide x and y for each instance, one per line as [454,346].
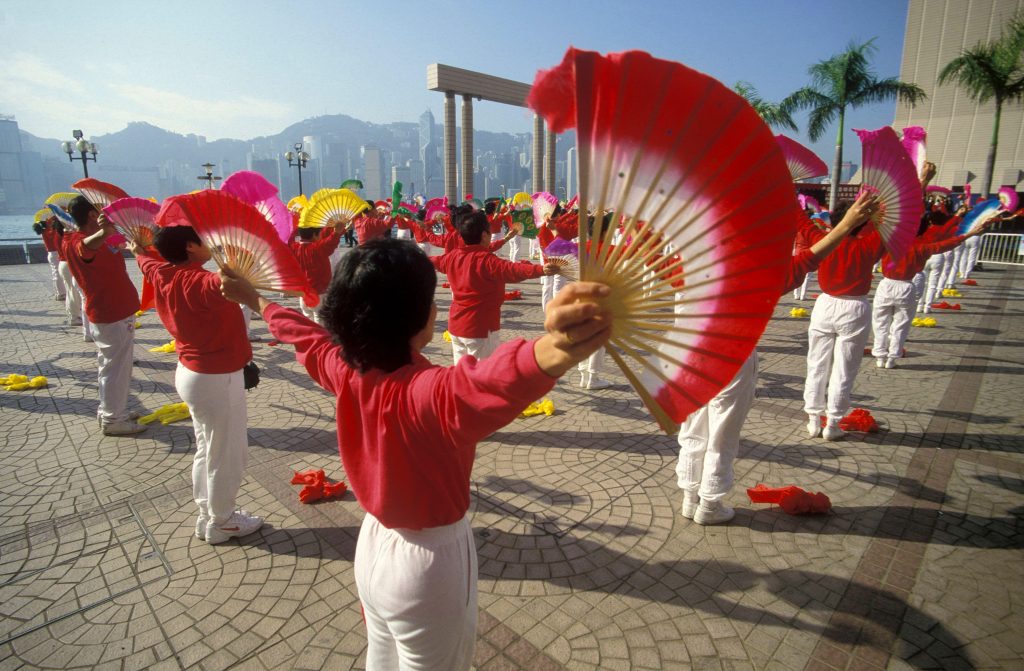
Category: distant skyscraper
[403,174]
[416,182]
[430,155]
[373,172]
[13,197]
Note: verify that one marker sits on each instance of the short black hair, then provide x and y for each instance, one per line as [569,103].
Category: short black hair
[171,242]
[932,218]
[79,208]
[472,226]
[308,234]
[379,298]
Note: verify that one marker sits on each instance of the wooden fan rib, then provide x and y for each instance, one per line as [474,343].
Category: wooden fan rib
[652,334]
[638,345]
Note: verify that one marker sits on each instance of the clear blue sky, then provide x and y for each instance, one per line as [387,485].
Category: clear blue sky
[240,69]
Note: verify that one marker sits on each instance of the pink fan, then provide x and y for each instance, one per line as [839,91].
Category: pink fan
[693,169]
[888,171]
[802,162]
[914,142]
[939,190]
[808,202]
[100,194]
[134,218]
[255,189]
[544,205]
[1008,198]
[241,239]
[573,203]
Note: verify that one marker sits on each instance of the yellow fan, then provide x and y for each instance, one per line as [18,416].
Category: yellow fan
[61,198]
[522,198]
[331,207]
[298,203]
[43,214]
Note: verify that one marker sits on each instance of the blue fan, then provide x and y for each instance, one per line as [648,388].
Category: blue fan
[66,219]
[983,211]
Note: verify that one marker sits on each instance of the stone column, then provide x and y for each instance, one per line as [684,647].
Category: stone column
[451,187]
[467,147]
[549,163]
[538,154]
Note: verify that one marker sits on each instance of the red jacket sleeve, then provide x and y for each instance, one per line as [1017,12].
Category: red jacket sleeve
[508,271]
[314,349]
[803,262]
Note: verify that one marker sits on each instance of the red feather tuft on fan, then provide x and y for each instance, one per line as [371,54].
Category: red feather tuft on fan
[240,238]
[695,175]
[100,194]
[802,162]
[888,171]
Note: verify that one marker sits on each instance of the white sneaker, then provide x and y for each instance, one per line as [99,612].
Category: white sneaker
[584,379]
[927,309]
[813,426]
[239,524]
[713,512]
[832,432]
[890,363]
[201,523]
[880,363]
[125,428]
[597,383]
[690,502]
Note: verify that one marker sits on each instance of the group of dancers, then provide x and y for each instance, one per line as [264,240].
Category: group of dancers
[407,428]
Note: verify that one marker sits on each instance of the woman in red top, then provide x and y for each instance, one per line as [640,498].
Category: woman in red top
[213,347]
[313,251]
[407,434]
[47,228]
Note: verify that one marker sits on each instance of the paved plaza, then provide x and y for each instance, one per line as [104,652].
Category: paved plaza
[585,561]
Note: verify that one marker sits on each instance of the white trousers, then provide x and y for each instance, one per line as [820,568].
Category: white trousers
[53,258]
[709,439]
[311,313]
[835,346]
[514,244]
[593,364]
[481,348]
[115,343]
[220,420]
[801,291]
[74,300]
[547,290]
[403,234]
[970,256]
[419,596]
[891,314]
[949,268]
[919,282]
[534,248]
[935,269]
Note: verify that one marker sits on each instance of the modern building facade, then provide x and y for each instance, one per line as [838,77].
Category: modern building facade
[959,129]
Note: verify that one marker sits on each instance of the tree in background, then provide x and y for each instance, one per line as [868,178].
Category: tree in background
[771,113]
[842,81]
[987,71]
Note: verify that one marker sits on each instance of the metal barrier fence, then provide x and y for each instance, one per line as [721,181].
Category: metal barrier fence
[17,251]
[1002,248]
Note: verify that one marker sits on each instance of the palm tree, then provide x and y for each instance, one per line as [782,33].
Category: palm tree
[991,71]
[770,113]
[845,80]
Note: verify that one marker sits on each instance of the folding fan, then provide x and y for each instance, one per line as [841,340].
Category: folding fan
[940,190]
[803,163]
[983,211]
[255,189]
[914,142]
[544,205]
[351,184]
[63,217]
[888,171]
[331,207]
[436,211]
[1008,198]
[688,163]
[100,194]
[61,198]
[808,202]
[134,218]
[568,266]
[298,203]
[240,238]
[42,215]
[522,199]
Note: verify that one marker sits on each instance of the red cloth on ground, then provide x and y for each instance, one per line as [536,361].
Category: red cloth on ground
[792,499]
[317,486]
[110,295]
[208,329]
[945,305]
[513,295]
[859,419]
[477,279]
[408,438]
[970,283]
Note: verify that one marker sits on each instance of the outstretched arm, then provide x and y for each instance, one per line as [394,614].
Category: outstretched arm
[859,212]
[576,324]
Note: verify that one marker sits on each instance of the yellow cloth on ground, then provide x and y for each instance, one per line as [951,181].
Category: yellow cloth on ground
[169,347]
[543,407]
[172,412]
[799,312]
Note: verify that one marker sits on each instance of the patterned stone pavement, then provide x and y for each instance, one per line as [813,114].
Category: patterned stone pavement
[585,562]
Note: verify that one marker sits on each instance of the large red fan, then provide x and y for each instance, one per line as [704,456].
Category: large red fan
[134,218]
[697,179]
[241,239]
[802,162]
[100,194]
[888,170]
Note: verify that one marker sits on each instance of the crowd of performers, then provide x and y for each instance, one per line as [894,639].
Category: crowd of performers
[407,428]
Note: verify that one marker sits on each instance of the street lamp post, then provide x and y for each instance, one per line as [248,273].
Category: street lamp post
[208,177]
[82,146]
[297,159]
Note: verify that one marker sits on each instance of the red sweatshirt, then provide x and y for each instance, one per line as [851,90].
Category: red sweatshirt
[209,330]
[51,238]
[408,438]
[369,228]
[478,280]
[847,270]
[315,258]
[109,293]
[913,261]
[450,240]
